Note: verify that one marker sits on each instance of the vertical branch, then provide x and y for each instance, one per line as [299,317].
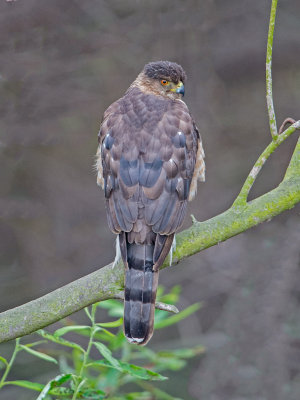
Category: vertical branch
[271,112]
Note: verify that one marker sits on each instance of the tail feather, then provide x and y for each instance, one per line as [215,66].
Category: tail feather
[141,279]
[140,293]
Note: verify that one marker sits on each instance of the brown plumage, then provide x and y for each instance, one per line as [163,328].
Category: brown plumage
[149,159]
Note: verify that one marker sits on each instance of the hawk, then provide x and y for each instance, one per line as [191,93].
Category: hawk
[149,159]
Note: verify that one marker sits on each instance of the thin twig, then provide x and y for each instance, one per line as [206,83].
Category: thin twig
[243,195]
[271,112]
[286,121]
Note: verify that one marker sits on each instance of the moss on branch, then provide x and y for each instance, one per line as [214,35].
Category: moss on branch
[108,281]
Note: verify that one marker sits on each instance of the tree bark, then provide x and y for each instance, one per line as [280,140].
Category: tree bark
[107,282]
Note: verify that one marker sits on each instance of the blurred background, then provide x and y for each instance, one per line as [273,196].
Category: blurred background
[62,63]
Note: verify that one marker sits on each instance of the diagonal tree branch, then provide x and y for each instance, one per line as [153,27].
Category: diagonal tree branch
[107,282]
[243,195]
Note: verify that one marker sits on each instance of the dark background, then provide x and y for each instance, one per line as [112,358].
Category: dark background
[61,65]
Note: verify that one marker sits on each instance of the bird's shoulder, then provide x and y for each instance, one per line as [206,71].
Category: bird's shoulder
[137,108]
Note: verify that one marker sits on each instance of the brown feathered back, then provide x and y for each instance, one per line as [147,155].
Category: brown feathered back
[148,147]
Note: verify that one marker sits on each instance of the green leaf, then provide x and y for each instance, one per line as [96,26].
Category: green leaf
[77,358]
[35,343]
[182,353]
[160,315]
[92,394]
[61,379]
[173,319]
[57,381]
[103,336]
[103,330]
[173,296]
[52,388]
[118,341]
[59,340]
[73,328]
[175,360]
[3,360]
[160,291]
[110,377]
[164,360]
[131,369]
[172,363]
[61,392]
[112,324]
[139,396]
[26,384]
[134,396]
[87,311]
[144,352]
[114,307]
[100,335]
[141,373]
[160,394]
[38,354]
[64,367]
[106,353]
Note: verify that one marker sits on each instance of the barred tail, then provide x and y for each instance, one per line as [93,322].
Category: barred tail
[140,292]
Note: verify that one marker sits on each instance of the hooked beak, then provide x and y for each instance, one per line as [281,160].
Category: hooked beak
[180,88]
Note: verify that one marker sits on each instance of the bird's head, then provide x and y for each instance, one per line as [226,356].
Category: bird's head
[163,78]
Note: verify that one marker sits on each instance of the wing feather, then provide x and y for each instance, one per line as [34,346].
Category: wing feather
[149,159]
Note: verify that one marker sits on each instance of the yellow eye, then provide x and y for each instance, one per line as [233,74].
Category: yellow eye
[164,82]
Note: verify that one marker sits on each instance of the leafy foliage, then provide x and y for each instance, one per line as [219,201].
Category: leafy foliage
[103,367]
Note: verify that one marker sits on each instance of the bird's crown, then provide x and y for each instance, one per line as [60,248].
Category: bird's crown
[165,70]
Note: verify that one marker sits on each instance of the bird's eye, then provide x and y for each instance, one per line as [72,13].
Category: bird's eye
[164,82]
